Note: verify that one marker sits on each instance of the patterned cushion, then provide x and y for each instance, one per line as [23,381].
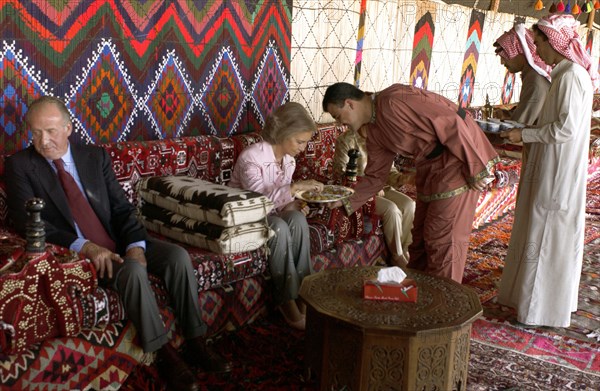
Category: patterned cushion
[205,201]
[316,162]
[339,225]
[36,299]
[321,238]
[100,308]
[216,238]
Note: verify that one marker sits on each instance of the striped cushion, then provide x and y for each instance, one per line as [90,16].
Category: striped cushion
[205,201]
[215,238]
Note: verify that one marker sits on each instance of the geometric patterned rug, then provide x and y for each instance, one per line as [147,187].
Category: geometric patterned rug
[269,355]
[592,196]
[495,369]
[487,249]
[543,344]
[490,254]
[534,359]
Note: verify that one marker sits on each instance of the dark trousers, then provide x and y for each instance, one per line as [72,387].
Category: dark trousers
[289,259]
[172,264]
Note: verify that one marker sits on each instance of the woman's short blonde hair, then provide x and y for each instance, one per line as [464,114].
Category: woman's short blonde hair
[286,121]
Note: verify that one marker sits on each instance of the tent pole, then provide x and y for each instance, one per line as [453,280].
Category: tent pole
[494,5]
[590,21]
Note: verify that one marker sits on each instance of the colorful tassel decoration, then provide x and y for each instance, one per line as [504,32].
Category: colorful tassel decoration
[576,9]
[587,7]
[560,7]
[539,5]
[553,8]
[568,7]
[597,4]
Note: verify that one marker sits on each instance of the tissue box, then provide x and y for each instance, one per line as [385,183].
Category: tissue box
[404,291]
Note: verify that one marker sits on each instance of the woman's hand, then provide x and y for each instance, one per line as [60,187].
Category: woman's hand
[307,185]
[298,205]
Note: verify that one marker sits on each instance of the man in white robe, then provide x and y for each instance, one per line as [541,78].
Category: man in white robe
[543,265]
[517,53]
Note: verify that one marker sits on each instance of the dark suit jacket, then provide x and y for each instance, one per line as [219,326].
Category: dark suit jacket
[28,175]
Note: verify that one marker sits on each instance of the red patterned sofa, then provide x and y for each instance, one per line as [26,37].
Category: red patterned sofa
[59,330]
[71,334]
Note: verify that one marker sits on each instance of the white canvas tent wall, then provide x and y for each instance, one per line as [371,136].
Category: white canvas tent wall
[326,39]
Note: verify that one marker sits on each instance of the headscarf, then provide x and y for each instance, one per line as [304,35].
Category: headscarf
[561,30]
[519,40]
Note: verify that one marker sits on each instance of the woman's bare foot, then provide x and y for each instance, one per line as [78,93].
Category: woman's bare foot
[292,315]
[301,307]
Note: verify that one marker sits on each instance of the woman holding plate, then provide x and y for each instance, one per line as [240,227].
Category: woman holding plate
[267,168]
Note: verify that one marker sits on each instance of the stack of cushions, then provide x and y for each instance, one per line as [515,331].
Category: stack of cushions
[211,216]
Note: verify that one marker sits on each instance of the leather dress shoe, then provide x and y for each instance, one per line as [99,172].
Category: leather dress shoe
[201,355]
[175,371]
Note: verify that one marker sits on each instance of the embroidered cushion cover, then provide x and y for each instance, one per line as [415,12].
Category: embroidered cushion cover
[216,238]
[205,201]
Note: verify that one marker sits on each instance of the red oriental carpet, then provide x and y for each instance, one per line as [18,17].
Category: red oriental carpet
[593,193]
[268,355]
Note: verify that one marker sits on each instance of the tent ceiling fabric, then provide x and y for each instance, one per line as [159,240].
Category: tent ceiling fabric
[523,7]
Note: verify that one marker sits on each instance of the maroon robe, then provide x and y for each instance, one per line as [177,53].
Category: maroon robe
[450,152]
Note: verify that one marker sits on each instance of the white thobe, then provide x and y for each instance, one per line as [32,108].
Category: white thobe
[543,264]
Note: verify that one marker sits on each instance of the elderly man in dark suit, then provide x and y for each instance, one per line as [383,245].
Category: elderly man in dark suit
[87,211]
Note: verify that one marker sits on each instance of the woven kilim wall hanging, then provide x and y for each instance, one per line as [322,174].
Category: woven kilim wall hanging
[139,70]
[423,43]
[508,87]
[469,69]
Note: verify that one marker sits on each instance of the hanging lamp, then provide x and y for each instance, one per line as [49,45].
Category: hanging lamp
[560,7]
[552,8]
[587,7]
[576,9]
[568,7]
[597,4]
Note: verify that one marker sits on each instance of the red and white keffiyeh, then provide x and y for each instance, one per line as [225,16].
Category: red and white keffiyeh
[519,40]
[561,30]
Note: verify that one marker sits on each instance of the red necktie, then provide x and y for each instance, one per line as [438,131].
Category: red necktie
[85,217]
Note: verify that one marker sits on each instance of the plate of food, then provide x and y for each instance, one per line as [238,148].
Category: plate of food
[330,193]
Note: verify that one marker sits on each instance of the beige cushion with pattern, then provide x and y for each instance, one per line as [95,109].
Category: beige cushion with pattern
[205,201]
[216,238]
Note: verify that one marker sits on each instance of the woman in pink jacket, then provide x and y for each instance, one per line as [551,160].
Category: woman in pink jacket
[267,168]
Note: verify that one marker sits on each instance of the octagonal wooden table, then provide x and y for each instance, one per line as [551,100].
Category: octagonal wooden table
[358,344]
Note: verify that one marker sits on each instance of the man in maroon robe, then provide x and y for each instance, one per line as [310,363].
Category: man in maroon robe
[453,158]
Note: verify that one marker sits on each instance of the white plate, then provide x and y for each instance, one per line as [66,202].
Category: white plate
[330,193]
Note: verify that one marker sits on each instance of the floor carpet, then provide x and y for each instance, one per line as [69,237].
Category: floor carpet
[268,355]
[593,193]
[495,369]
